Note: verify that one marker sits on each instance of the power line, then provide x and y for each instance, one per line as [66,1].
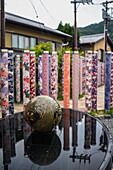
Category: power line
[34,8]
[47,10]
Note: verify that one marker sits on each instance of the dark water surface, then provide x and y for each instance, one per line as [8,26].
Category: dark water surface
[79,142]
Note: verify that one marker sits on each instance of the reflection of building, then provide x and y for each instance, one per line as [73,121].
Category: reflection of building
[74,128]
[87,134]
[93,131]
[95,43]
[66,129]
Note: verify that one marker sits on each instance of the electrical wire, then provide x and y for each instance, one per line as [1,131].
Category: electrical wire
[34,8]
[47,10]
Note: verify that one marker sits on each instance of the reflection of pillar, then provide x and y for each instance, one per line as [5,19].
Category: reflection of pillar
[74,128]
[40,74]
[49,75]
[66,129]
[94,80]
[45,73]
[80,116]
[93,131]
[26,77]
[11,82]
[75,80]
[6,142]
[19,121]
[17,65]
[63,76]
[66,79]
[87,136]
[4,83]
[32,74]
[27,132]
[111,88]
[88,80]
[12,136]
[107,80]
[54,75]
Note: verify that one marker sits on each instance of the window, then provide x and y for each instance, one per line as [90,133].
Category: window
[14,41]
[26,42]
[21,41]
[32,42]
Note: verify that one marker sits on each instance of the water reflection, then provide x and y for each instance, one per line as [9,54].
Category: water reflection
[77,142]
[43,148]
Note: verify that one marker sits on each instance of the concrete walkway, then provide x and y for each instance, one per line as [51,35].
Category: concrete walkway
[81,102]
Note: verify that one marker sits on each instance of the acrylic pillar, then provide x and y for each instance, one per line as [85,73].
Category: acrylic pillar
[63,76]
[11,82]
[88,85]
[32,74]
[80,75]
[17,65]
[75,80]
[4,83]
[66,79]
[107,80]
[49,75]
[45,73]
[54,75]
[111,86]
[94,80]
[40,74]
[26,78]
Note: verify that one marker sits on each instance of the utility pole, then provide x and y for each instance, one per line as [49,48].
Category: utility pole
[106,18]
[75,27]
[75,19]
[105,28]
[2,25]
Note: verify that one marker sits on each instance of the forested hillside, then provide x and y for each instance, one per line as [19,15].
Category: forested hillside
[96,29]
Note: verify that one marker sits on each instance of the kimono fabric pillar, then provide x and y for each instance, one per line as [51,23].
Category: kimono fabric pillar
[107,80]
[88,81]
[63,76]
[49,75]
[11,82]
[111,88]
[66,79]
[83,74]
[45,73]
[57,76]
[40,74]
[54,75]
[94,80]
[17,64]
[32,74]
[26,77]
[4,83]
[75,80]
[80,75]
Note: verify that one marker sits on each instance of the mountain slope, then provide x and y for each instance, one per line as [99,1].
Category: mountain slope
[96,29]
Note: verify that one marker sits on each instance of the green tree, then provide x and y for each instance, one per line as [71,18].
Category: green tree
[69,30]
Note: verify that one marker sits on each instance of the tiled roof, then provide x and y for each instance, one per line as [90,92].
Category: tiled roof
[91,38]
[33,24]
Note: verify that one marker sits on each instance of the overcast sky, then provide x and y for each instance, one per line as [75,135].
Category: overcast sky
[59,10]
